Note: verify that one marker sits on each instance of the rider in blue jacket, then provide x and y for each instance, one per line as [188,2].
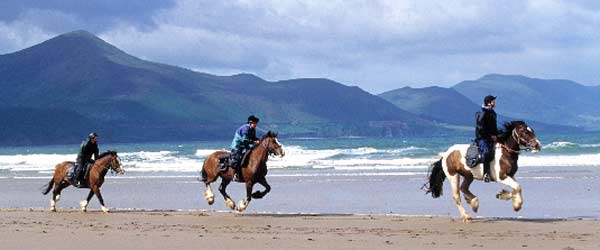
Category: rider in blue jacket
[243,140]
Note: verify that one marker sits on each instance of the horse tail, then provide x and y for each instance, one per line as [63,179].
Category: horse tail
[203,172]
[436,176]
[48,186]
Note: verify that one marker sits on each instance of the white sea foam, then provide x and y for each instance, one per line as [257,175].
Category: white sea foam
[353,159]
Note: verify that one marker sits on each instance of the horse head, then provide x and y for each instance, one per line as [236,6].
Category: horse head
[114,162]
[523,135]
[270,142]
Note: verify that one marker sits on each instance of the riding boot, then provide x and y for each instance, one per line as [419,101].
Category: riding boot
[486,171]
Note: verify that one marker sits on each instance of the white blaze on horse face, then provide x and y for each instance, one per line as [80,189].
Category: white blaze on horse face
[280,145]
[529,129]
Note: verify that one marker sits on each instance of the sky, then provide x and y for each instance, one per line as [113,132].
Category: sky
[378,45]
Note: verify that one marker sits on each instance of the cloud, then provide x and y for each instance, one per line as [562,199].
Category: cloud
[378,45]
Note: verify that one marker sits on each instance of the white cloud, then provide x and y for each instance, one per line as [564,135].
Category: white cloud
[378,45]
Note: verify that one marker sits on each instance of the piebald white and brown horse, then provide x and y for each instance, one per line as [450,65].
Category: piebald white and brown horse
[503,168]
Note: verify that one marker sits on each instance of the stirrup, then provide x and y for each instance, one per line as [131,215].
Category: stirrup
[486,178]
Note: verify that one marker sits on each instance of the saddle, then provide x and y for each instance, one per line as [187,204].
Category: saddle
[473,157]
[73,172]
[225,163]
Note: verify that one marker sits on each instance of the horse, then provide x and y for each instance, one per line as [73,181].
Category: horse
[106,161]
[502,168]
[253,170]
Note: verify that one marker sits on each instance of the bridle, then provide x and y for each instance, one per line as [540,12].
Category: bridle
[518,139]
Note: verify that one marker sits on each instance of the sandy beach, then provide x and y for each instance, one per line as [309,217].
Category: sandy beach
[71,229]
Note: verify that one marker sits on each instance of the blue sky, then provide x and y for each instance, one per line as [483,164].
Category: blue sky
[377,45]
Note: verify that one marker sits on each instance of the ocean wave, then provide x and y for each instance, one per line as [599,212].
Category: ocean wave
[560,144]
[297,157]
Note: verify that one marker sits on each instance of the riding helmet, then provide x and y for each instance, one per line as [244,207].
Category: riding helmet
[488,99]
[253,118]
[92,135]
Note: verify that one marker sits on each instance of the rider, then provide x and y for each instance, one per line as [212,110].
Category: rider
[243,140]
[88,148]
[486,132]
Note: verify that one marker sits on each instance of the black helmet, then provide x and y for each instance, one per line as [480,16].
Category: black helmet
[253,118]
[488,99]
[92,135]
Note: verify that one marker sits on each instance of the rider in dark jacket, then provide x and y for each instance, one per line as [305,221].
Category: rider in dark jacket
[243,140]
[88,149]
[486,132]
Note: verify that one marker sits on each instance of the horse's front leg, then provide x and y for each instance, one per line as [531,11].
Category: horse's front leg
[243,204]
[96,191]
[259,194]
[84,203]
[515,195]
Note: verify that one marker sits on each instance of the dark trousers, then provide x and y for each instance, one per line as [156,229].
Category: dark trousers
[486,149]
[236,158]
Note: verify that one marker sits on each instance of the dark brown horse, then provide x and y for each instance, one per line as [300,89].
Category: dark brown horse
[106,161]
[253,170]
[502,168]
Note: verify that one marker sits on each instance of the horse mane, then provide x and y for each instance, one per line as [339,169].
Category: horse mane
[109,152]
[506,132]
[269,134]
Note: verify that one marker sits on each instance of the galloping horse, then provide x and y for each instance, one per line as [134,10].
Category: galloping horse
[502,168]
[107,160]
[253,170]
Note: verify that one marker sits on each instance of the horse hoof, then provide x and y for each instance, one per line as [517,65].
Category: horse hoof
[475,204]
[467,219]
[211,201]
[230,204]
[104,209]
[242,205]
[83,205]
[52,209]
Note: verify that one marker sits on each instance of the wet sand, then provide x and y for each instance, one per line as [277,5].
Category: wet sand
[70,229]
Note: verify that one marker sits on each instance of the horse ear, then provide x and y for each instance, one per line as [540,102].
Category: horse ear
[275,134]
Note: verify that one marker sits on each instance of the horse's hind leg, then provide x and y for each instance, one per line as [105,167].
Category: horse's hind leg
[58,187]
[209,195]
[469,197]
[454,181]
[222,188]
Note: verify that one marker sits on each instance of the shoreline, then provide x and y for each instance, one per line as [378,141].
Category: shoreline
[299,214]
[29,228]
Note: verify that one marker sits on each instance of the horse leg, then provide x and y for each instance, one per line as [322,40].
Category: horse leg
[209,195]
[515,195]
[259,194]
[469,197]
[454,180]
[243,204]
[58,187]
[96,191]
[222,188]
[84,203]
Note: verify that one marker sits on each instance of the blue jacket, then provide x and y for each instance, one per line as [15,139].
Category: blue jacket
[244,137]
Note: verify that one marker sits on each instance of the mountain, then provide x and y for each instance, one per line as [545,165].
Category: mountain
[446,105]
[561,102]
[59,90]
[440,104]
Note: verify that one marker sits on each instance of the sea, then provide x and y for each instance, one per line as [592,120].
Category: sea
[352,175]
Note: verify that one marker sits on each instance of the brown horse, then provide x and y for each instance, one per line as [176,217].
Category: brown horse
[253,170]
[502,168]
[105,161]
